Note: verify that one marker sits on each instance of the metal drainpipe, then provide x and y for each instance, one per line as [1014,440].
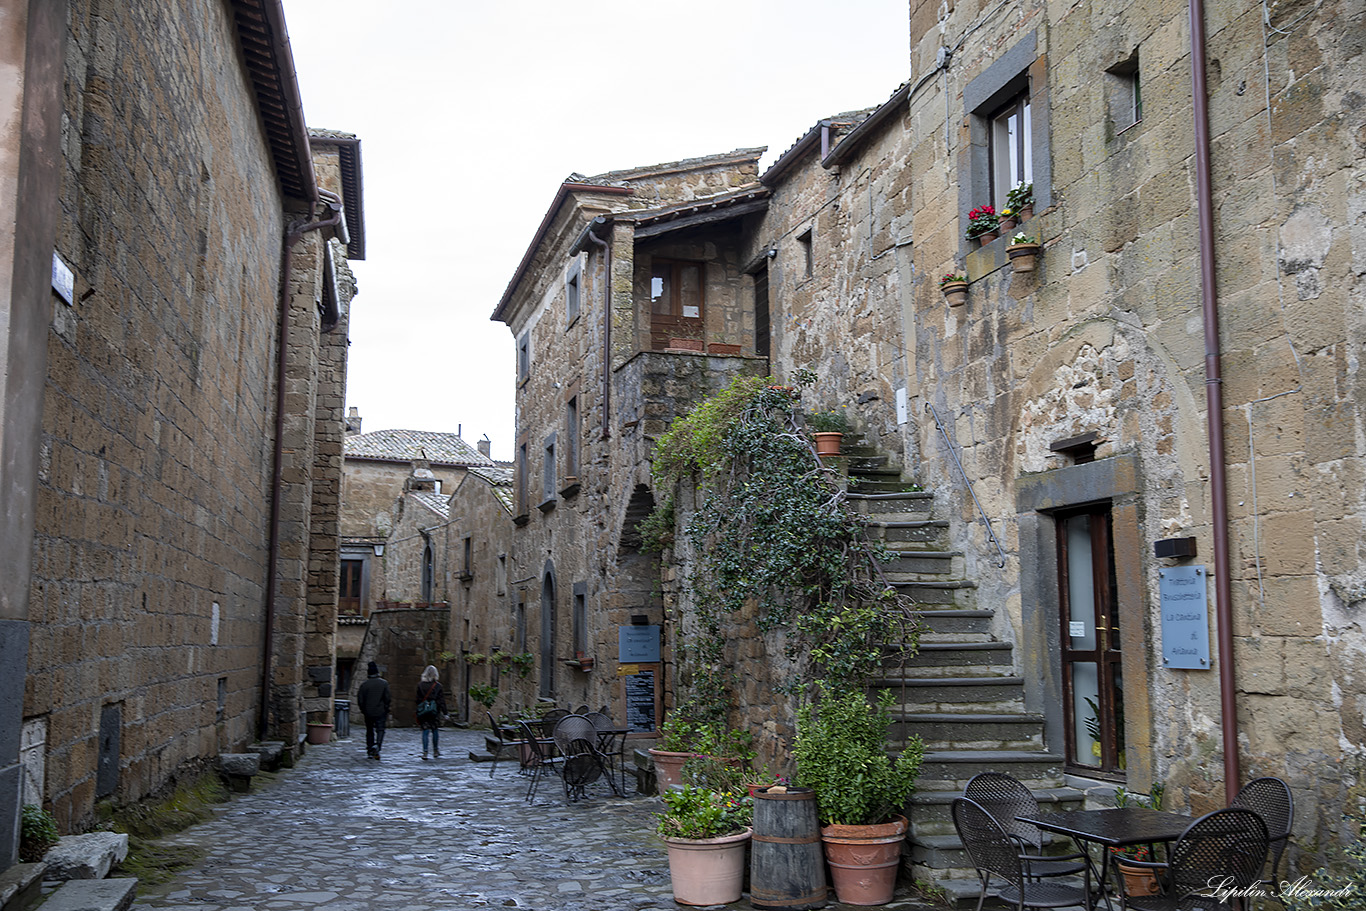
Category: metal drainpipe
[606,333]
[282,360]
[1214,398]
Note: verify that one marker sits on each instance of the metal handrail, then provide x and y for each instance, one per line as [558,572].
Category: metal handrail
[954,452]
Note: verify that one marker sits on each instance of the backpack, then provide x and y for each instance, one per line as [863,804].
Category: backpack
[428,707]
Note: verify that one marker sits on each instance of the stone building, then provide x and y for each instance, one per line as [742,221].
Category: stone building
[625,312]
[1095,492]
[173,380]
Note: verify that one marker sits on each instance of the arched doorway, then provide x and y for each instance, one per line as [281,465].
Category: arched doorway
[548,632]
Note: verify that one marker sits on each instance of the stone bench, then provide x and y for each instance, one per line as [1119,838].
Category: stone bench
[93,895]
[89,856]
[272,753]
[237,769]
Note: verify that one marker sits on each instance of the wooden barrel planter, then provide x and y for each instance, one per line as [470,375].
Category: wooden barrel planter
[787,866]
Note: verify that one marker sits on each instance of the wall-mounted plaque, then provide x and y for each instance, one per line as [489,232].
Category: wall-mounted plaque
[638,644]
[1185,617]
[641,695]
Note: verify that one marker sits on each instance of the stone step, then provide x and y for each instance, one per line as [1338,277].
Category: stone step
[931,812]
[971,730]
[929,594]
[21,886]
[965,659]
[93,895]
[925,531]
[954,620]
[909,565]
[88,856]
[903,506]
[951,769]
[985,695]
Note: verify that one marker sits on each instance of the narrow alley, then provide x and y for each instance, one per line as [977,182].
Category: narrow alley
[342,833]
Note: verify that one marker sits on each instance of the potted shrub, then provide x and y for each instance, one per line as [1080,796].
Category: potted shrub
[1137,880]
[1020,200]
[983,223]
[683,737]
[828,428]
[706,833]
[841,752]
[954,285]
[1023,250]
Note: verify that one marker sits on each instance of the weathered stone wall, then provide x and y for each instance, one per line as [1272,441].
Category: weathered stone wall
[368,490]
[403,641]
[417,523]
[151,533]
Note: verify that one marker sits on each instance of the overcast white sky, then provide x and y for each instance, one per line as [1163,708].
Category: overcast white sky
[470,114]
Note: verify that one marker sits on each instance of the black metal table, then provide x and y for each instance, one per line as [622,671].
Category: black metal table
[1121,827]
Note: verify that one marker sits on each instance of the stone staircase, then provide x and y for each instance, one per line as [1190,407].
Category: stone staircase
[961,692]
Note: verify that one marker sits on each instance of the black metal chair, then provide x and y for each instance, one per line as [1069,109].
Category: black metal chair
[541,761]
[994,853]
[1005,798]
[576,739]
[503,743]
[1226,847]
[1270,799]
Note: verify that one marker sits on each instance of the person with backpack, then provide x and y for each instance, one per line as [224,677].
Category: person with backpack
[373,700]
[431,709]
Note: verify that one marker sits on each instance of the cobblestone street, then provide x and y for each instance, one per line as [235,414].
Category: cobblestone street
[344,833]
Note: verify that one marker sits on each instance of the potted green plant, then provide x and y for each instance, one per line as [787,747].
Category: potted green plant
[841,752]
[954,285]
[684,736]
[706,833]
[1023,250]
[1137,880]
[828,428]
[1020,199]
[983,223]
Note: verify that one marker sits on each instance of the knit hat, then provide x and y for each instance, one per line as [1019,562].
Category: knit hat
[373,669]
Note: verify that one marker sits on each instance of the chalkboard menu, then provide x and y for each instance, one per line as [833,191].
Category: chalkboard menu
[638,681]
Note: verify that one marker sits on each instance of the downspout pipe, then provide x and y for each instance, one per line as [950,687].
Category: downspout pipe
[1214,398]
[606,329]
[292,236]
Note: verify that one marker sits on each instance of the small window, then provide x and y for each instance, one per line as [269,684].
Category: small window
[1125,94]
[807,254]
[549,477]
[467,564]
[501,575]
[524,356]
[571,294]
[428,573]
[1010,149]
[571,443]
[523,480]
[580,620]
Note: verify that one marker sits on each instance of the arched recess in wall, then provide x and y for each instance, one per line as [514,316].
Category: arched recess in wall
[637,570]
[547,657]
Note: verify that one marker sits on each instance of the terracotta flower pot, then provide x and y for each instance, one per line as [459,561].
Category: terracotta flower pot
[956,293]
[986,237]
[319,733]
[708,871]
[668,767]
[1138,880]
[1026,213]
[1008,224]
[828,443]
[1022,256]
[864,860]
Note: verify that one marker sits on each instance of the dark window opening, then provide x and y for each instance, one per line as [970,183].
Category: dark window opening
[761,317]
[807,253]
[571,448]
[571,295]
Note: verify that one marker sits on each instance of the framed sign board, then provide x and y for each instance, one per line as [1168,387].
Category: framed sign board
[1185,617]
[640,694]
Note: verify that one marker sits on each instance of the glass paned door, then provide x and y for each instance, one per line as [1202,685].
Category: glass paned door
[1092,677]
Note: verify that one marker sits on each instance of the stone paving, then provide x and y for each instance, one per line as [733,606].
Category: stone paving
[343,833]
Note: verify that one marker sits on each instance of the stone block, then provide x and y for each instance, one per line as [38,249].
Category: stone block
[89,856]
[270,753]
[93,895]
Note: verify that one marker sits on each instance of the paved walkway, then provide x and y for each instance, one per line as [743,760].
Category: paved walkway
[342,833]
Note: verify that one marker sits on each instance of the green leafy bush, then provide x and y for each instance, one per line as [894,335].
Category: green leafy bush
[1339,886]
[841,751]
[828,422]
[484,694]
[37,833]
[699,813]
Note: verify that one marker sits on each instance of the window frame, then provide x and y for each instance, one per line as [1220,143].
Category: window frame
[573,293]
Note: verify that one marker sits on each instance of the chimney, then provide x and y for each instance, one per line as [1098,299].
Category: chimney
[353,421]
[485,447]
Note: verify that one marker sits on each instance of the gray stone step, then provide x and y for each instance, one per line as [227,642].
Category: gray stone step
[931,811]
[971,730]
[947,770]
[957,694]
[904,506]
[967,659]
[925,531]
[21,886]
[954,621]
[960,593]
[909,565]
[93,895]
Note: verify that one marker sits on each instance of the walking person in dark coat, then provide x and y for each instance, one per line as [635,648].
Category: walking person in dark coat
[432,699]
[373,699]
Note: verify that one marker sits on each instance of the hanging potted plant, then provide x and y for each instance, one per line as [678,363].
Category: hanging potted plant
[983,222]
[841,751]
[1023,251]
[828,428]
[1020,200]
[706,833]
[954,286]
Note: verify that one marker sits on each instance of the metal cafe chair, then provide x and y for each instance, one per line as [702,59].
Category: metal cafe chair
[1270,799]
[576,740]
[503,742]
[541,759]
[1005,798]
[994,853]
[611,744]
[1227,847]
